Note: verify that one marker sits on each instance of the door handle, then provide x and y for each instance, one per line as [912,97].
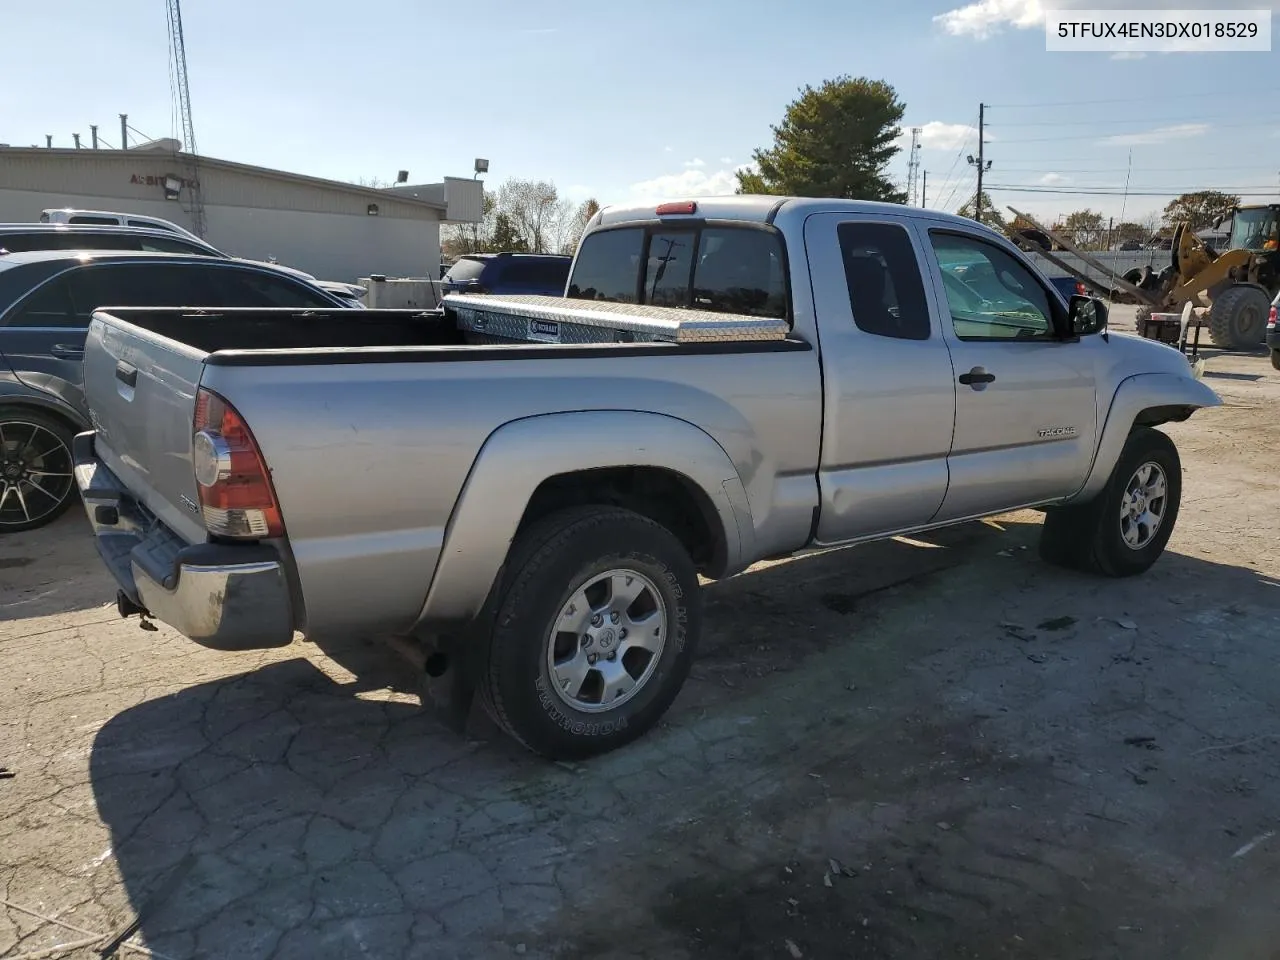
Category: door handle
[978,378]
[127,374]
[66,351]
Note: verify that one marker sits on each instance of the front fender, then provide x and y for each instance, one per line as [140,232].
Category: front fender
[1159,393]
[517,457]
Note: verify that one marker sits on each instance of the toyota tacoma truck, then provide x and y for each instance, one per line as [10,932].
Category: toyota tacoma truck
[532,486]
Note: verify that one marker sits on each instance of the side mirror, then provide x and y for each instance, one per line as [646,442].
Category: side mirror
[1088,315]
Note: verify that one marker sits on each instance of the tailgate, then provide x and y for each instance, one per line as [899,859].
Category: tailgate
[140,388]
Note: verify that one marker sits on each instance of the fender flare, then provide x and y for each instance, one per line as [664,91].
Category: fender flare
[1164,394]
[23,397]
[520,455]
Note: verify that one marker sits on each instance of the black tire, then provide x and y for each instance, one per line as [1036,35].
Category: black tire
[1275,359]
[1090,537]
[1238,318]
[548,564]
[36,482]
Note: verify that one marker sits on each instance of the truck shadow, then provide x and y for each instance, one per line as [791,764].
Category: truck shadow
[52,570]
[282,812]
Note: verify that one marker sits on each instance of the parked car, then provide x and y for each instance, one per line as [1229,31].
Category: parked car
[351,294]
[1273,332]
[21,237]
[508,273]
[768,375]
[108,218]
[46,300]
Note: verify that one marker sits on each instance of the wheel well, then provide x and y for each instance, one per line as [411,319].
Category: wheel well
[662,495]
[49,410]
[1170,413]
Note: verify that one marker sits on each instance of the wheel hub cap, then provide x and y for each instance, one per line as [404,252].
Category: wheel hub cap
[606,641]
[35,473]
[1142,508]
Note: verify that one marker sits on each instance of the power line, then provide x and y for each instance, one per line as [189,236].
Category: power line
[1154,98]
[1091,123]
[1266,191]
[959,153]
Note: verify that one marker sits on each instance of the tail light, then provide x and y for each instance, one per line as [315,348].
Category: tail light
[236,496]
[1271,319]
[1080,289]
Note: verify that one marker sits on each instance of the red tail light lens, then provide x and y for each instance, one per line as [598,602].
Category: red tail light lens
[236,495]
[1080,289]
[1271,319]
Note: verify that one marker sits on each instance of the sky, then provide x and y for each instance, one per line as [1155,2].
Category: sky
[633,103]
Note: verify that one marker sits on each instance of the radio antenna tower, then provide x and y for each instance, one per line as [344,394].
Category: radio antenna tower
[913,167]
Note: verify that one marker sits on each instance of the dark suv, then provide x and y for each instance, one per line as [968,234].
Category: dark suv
[528,273]
[46,301]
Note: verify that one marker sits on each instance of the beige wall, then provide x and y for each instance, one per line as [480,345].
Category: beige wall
[322,230]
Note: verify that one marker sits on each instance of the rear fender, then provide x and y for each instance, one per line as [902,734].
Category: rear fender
[519,456]
[13,392]
[1145,399]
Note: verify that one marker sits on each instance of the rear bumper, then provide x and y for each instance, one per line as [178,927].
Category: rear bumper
[225,596]
[1273,338]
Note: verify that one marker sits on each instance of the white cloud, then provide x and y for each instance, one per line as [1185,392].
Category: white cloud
[695,162]
[666,149]
[936,135]
[692,182]
[984,18]
[1179,131]
[726,160]
[1128,55]
[1049,179]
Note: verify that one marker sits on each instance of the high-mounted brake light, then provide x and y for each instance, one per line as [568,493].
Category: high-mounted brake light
[683,206]
[1080,289]
[1271,319]
[236,496]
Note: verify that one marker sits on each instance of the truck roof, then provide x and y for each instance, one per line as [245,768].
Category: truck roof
[10,260]
[765,209]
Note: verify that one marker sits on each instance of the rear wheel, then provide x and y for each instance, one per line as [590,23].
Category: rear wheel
[36,480]
[1124,530]
[1275,359]
[594,632]
[1238,318]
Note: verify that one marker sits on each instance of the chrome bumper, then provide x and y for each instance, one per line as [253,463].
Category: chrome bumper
[225,596]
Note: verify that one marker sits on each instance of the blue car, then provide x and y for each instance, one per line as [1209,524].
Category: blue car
[498,273]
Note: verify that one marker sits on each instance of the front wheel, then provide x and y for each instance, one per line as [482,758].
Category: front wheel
[1275,359]
[36,480]
[1126,528]
[594,632]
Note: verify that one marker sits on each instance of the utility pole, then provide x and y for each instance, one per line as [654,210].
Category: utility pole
[924,188]
[982,163]
[913,165]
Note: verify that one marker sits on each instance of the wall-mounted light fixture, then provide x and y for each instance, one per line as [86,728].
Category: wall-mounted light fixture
[482,166]
[172,187]
[372,209]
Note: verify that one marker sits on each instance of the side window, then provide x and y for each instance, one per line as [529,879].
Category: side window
[232,287]
[886,291]
[128,285]
[991,295]
[165,245]
[740,270]
[49,306]
[666,276]
[151,225]
[95,221]
[608,266]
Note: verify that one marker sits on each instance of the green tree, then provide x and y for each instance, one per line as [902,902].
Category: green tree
[1201,209]
[505,237]
[1128,230]
[1086,229]
[835,140]
[990,216]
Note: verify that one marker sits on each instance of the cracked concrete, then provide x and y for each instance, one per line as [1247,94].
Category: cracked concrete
[882,752]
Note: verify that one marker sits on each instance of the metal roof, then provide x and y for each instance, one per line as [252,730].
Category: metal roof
[55,154]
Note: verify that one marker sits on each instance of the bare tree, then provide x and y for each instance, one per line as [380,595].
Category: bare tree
[577,225]
[536,211]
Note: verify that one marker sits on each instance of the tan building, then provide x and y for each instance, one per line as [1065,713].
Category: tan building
[337,231]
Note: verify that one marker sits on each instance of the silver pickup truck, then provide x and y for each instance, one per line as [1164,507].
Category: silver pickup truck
[534,485]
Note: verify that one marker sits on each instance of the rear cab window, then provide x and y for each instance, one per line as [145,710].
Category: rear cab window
[739,269]
[466,270]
